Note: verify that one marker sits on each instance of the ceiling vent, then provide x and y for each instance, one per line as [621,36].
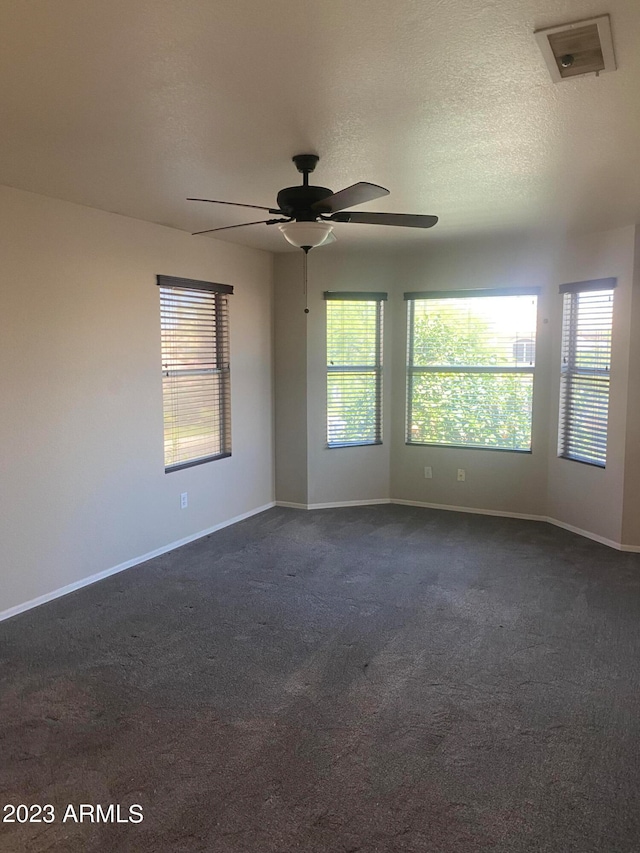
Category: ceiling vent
[573,50]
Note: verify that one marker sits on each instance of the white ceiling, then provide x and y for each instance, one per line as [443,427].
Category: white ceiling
[132,105]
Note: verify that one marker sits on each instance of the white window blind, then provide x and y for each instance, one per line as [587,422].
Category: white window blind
[354,368]
[195,371]
[587,317]
[470,368]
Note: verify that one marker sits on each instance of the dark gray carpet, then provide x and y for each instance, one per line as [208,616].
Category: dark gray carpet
[369,679]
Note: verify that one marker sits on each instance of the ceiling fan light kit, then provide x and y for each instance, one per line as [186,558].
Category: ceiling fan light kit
[306,235]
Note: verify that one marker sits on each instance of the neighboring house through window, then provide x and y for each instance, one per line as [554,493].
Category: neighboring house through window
[195,371]
[587,316]
[354,368]
[470,368]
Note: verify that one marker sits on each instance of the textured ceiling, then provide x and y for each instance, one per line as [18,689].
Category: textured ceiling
[133,105]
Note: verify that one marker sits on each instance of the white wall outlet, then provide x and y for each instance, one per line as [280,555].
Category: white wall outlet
[184,500]
[461,475]
[428,473]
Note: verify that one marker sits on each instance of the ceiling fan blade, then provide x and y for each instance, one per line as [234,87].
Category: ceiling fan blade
[237,204]
[355,194]
[406,220]
[241,225]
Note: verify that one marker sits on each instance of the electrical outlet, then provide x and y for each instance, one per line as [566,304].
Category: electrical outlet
[461,475]
[184,500]
[428,474]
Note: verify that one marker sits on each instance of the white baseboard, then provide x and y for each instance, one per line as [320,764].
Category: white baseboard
[611,543]
[633,549]
[136,561]
[378,501]
[114,570]
[474,511]
[337,504]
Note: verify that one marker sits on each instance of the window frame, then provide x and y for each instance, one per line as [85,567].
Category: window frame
[217,327]
[572,374]
[413,370]
[377,368]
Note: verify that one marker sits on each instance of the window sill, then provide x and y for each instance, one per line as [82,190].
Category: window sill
[353,444]
[600,465]
[180,465]
[469,447]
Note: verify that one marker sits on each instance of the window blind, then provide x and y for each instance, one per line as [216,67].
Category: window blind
[196,381]
[587,318]
[354,368]
[470,367]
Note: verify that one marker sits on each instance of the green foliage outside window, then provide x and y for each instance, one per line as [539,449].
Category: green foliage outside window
[470,379]
[354,371]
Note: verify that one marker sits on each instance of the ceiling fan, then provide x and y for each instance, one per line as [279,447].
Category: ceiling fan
[308,212]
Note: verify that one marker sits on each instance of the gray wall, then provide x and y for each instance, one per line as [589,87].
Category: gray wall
[631,506]
[290,359]
[338,475]
[604,503]
[584,496]
[81,450]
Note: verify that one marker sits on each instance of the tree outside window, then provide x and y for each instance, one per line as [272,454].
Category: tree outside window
[471,361]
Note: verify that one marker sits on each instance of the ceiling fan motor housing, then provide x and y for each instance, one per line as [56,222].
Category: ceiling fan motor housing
[297,201]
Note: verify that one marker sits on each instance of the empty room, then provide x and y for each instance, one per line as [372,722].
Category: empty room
[320,426]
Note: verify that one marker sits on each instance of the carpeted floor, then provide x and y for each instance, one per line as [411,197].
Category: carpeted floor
[373,679]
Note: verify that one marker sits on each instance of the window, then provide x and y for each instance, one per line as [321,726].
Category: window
[584,380]
[471,358]
[354,368]
[195,371]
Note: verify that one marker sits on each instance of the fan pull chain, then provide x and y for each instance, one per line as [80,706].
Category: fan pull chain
[305,249]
